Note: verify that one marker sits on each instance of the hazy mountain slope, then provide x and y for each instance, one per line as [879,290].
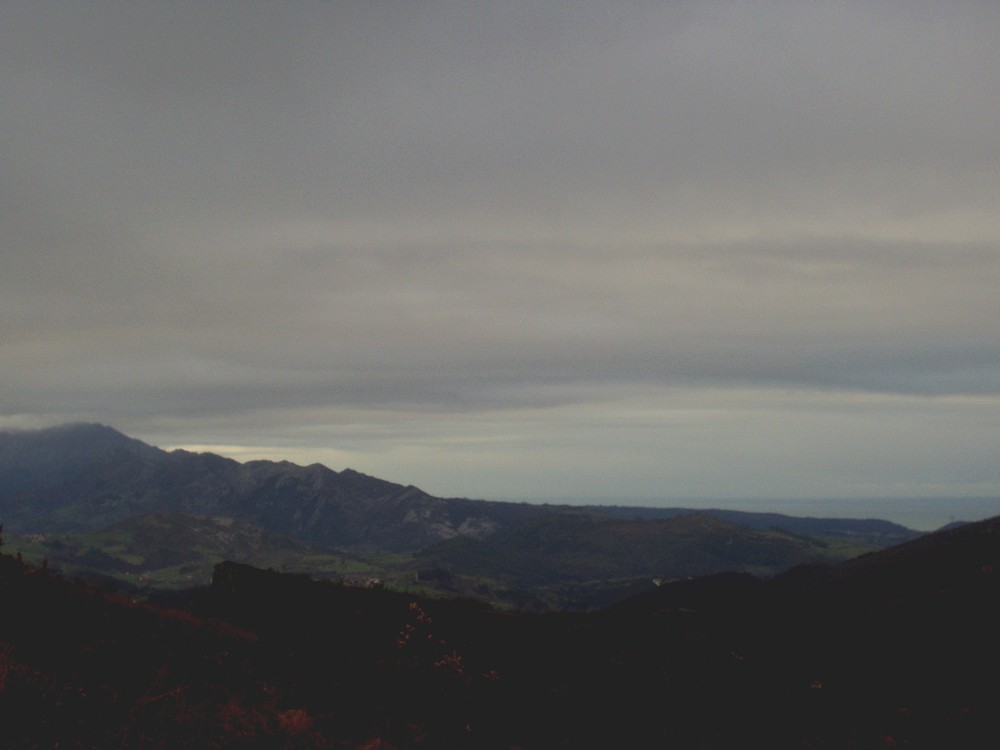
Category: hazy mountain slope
[40,457]
[45,471]
[86,477]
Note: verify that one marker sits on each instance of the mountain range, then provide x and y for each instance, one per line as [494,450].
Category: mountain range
[85,477]
[82,495]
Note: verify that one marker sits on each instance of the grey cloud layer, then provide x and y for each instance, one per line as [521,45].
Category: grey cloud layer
[447,208]
[434,326]
[341,111]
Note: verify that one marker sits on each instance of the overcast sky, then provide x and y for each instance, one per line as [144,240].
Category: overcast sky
[497,249]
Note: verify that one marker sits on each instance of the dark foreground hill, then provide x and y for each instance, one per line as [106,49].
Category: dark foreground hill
[897,649]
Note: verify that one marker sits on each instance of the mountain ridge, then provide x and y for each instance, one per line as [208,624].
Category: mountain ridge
[85,476]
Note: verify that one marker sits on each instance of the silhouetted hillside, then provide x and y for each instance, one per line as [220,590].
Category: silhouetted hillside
[897,649]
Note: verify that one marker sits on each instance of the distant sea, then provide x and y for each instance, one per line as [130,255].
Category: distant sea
[921,514]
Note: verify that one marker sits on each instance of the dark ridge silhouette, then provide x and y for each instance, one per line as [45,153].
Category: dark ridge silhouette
[893,649]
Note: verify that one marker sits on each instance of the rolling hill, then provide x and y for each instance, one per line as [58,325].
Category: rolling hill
[895,649]
[169,551]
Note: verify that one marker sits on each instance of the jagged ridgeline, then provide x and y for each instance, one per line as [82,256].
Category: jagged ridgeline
[92,500]
[86,477]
